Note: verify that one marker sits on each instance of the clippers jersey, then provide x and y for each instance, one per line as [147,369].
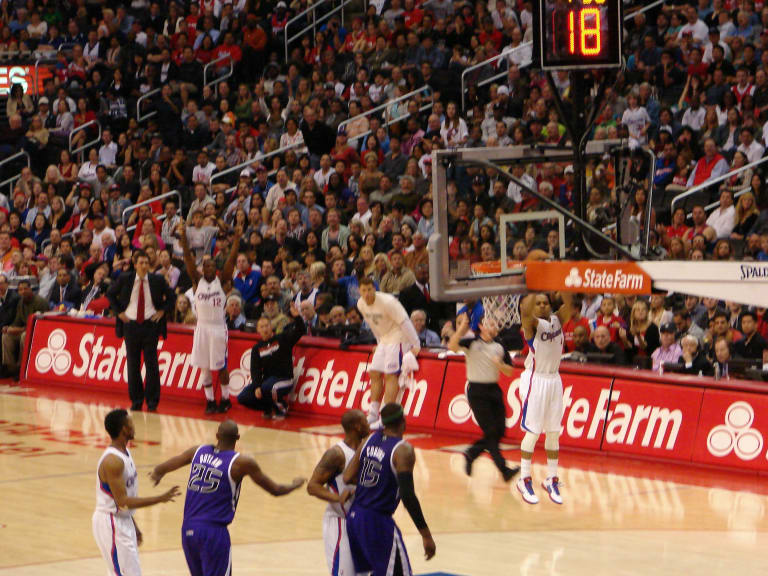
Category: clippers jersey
[384,318]
[546,347]
[377,487]
[338,486]
[211,493]
[105,502]
[209,302]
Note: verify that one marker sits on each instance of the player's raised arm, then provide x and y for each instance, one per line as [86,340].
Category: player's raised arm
[462,327]
[527,318]
[247,466]
[189,260]
[565,311]
[404,459]
[112,469]
[183,459]
[328,467]
[229,265]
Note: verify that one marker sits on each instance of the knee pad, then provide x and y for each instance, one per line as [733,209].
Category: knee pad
[552,441]
[529,442]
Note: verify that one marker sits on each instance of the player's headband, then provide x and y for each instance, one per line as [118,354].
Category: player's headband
[394,417]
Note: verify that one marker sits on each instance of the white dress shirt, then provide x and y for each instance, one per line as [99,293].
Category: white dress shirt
[133,306]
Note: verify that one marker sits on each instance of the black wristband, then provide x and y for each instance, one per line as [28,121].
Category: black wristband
[410,500]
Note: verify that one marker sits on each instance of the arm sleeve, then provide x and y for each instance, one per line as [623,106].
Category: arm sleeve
[255,366]
[410,500]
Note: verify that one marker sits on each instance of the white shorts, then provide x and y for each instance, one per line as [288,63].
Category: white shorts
[116,538]
[337,552]
[209,346]
[387,359]
[542,396]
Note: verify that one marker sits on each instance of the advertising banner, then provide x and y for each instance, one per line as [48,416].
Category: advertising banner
[23,74]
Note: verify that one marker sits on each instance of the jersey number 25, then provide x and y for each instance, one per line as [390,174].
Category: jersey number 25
[204,479]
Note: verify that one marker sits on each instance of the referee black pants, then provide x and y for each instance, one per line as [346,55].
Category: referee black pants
[487,404]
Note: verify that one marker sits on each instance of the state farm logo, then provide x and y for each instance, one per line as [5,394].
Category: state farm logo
[458,410]
[736,435]
[54,356]
[573,280]
[240,377]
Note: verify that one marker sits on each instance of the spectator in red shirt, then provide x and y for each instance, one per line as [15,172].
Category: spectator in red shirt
[576,320]
[607,318]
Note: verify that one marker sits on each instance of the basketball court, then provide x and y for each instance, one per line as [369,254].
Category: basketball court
[619,517]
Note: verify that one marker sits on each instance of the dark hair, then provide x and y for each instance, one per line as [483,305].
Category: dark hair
[720,314]
[139,254]
[683,313]
[114,422]
[392,414]
[749,313]
[366,280]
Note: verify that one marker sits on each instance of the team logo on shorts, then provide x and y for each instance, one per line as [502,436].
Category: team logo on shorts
[54,356]
[736,435]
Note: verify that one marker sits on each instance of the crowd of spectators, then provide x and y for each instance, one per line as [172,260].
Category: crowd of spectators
[327,192]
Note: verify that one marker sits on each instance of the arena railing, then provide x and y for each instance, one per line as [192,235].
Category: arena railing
[249,163]
[47,241]
[711,182]
[631,13]
[88,144]
[504,55]
[218,79]
[315,21]
[36,75]
[12,180]
[152,200]
[386,106]
[140,103]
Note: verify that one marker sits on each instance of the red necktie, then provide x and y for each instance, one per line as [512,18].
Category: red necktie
[140,309]
[426,294]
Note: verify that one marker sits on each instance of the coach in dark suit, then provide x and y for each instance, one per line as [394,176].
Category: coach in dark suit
[417,297]
[141,302]
[65,291]
[9,302]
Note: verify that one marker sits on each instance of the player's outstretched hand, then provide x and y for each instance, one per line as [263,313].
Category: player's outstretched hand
[156,476]
[462,323]
[170,495]
[429,546]
[293,310]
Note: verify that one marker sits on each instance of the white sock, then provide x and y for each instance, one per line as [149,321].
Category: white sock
[525,468]
[551,467]
[373,412]
[208,393]
[224,391]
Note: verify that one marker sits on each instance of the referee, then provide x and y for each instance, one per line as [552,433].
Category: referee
[485,358]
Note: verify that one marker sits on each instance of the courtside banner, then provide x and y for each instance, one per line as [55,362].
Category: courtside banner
[584,402]
[88,353]
[652,420]
[331,382]
[593,277]
[732,430]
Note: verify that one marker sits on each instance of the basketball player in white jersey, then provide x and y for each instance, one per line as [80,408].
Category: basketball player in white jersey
[327,483]
[395,337]
[542,390]
[114,529]
[209,345]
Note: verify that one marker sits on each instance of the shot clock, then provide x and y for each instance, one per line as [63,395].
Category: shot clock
[579,34]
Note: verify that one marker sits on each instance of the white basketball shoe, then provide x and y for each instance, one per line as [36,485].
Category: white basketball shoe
[552,486]
[525,486]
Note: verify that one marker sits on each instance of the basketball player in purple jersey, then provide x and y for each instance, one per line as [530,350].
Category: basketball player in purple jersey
[382,468]
[212,494]
[327,483]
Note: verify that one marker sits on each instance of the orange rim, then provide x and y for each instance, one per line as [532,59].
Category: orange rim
[494,266]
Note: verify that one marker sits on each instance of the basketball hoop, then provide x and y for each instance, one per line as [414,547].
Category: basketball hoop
[503,308]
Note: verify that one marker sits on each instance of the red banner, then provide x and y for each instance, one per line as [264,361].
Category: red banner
[23,74]
[732,429]
[652,420]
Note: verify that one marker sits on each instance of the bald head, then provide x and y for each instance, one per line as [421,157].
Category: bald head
[228,432]
[355,426]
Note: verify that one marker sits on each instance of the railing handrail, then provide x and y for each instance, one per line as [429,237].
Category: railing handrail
[504,54]
[391,121]
[140,101]
[42,60]
[385,105]
[10,159]
[47,241]
[247,163]
[218,79]
[89,143]
[314,24]
[712,181]
[152,200]
[650,6]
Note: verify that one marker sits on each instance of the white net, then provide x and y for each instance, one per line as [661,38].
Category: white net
[504,308]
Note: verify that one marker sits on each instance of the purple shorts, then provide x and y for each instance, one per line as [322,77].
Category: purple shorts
[207,549]
[376,544]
